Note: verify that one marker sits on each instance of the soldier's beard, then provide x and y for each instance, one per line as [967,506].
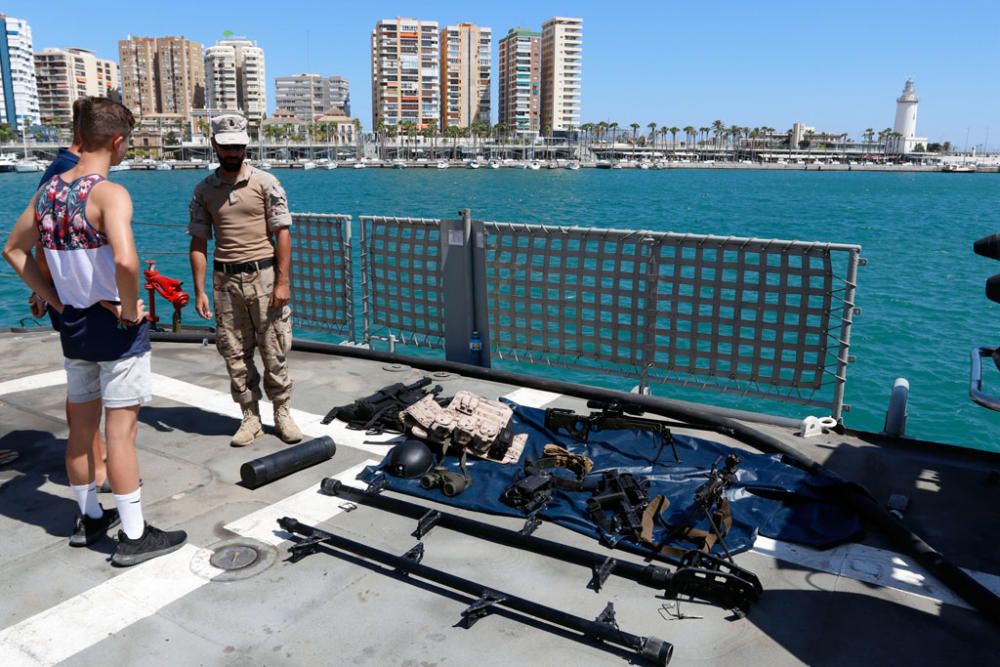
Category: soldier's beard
[231,164]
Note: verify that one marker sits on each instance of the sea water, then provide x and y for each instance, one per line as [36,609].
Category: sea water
[921,293]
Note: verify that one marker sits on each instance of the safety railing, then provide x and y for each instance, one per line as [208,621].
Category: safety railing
[401,281]
[757,317]
[322,280]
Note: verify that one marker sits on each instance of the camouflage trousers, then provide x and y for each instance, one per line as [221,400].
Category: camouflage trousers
[243,323]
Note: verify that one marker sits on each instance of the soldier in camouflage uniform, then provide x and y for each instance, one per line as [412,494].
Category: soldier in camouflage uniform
[245,210]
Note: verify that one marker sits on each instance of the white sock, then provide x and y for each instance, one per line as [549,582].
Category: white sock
[130,510]
[80,493]
[93,508]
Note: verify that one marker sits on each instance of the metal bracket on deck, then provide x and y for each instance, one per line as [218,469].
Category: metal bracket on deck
[481,607]
[426,523]
[376,485]
[607,617]
[416,553]
[306,547]
[531,524]
[601,573]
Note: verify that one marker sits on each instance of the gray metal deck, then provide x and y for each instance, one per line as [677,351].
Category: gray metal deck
[69,605]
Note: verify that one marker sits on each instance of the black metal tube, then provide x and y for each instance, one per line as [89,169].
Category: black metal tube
[966,587]
[268,468]
[653,576]
[648,648]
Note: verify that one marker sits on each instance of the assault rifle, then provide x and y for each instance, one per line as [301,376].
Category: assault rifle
[610,416]
[623,496]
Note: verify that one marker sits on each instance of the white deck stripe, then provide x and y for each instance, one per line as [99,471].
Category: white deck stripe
[309,506]
[39,381]
[873,566]
[533,398]
[80,622]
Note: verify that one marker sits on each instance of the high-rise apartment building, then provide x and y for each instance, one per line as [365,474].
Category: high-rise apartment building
[465,74]
[18,90]
[520,81]
[311,95]
[562,61]
[67,74]
[161,76]
[234,78]
[406,73]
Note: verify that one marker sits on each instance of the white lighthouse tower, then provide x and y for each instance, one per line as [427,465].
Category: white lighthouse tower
[906,120]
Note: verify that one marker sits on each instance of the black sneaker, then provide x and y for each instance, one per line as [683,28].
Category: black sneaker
[86,531]
[153,542]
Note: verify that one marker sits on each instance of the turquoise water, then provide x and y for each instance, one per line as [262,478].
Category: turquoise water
[921,293]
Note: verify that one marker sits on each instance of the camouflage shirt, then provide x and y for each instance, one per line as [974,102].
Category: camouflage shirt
[240,216]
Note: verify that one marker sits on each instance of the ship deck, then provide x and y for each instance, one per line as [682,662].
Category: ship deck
[862,603]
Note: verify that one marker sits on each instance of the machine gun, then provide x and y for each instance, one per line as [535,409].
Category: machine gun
[379,412]
[710,497]
[610,416]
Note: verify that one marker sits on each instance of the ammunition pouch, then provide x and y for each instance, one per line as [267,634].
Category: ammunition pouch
[471,423]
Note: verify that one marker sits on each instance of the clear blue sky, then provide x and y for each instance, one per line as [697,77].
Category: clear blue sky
[835,65]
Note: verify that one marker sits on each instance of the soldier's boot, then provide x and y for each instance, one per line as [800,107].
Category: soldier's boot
[250,428]
[284,425]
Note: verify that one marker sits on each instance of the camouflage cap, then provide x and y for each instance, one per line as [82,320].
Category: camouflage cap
[230,130]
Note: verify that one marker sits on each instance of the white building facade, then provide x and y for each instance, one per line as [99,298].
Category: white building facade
[234,78]
[406,73]
[466,63]
[562,73]
[311,95]
[18,86]
[65,75]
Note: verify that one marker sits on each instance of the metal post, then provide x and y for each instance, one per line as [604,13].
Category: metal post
[845,334]
[464,292]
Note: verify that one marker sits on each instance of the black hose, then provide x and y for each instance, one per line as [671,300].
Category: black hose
[850,494]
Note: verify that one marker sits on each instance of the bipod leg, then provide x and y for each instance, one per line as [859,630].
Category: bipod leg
[718,534]
[650,648]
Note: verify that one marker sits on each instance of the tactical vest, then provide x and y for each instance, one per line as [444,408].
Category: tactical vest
[478,425]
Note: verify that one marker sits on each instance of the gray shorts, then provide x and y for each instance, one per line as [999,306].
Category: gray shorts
[119,384]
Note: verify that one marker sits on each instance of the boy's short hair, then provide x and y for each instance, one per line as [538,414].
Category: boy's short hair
[101,120]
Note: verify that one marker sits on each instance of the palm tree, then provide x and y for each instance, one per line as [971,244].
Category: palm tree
[635,129]
[673,132]
[717,130]
[652,134]
[664,131]
[689,132]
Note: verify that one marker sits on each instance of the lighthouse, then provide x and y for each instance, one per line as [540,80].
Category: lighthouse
[906,120]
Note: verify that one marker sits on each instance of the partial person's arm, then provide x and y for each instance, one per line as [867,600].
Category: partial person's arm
[200,230]
[198,253]
[115,207]
[282,269]
[17,252]
[279,222]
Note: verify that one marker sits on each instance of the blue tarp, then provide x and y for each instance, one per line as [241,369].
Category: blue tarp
[769,497]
